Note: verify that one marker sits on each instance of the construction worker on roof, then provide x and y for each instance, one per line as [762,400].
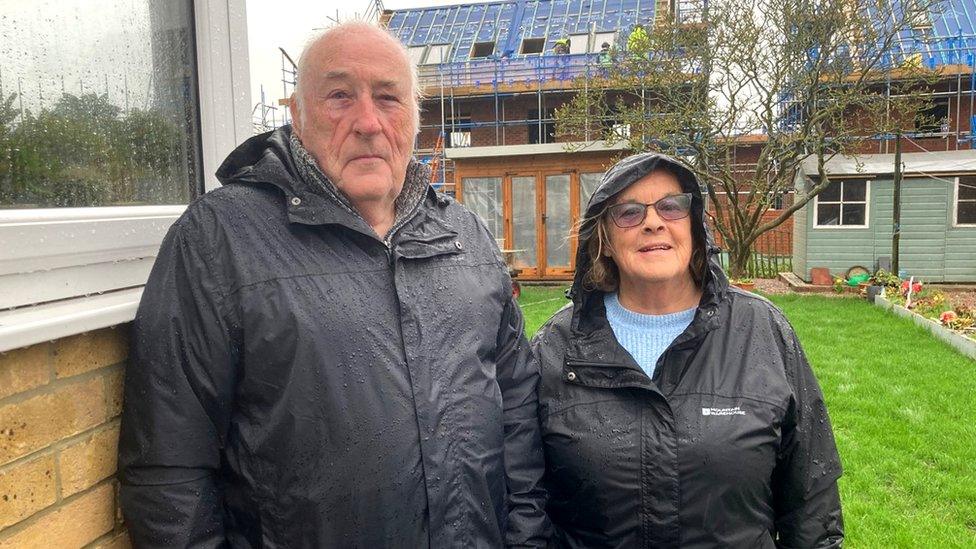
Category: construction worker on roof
[606,55]
[561,46]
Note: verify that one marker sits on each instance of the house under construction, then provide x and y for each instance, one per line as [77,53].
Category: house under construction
[493,75]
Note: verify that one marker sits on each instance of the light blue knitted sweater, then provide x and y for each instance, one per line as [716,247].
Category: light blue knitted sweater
[645,336]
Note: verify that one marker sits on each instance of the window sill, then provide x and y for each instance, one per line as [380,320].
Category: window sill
[52,255]
[29,325]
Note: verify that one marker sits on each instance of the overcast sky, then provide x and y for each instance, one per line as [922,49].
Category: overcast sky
[289,23]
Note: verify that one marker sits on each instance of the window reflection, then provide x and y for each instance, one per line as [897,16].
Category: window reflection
[98,103]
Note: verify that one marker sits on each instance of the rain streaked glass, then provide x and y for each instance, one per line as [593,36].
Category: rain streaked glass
[98,103]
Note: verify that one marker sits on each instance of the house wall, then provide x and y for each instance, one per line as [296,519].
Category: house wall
[59,427]
[930,247]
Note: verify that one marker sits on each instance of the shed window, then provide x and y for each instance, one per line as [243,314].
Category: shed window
[588,183]
[843,203]
[482,49]
[533,46]
[966,200]
[483,195]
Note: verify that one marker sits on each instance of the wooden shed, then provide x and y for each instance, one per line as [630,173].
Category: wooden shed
[850,223]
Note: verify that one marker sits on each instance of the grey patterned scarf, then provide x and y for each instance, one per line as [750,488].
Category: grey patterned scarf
[414,185]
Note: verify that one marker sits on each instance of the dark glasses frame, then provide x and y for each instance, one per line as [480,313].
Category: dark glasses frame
[682,200]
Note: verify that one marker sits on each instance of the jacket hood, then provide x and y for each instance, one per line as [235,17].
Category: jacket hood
[619,177]
[263,158]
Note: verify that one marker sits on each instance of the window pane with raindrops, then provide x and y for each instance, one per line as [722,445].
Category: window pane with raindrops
[98,103]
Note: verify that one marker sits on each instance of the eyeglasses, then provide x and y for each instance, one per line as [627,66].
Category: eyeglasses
[632,214]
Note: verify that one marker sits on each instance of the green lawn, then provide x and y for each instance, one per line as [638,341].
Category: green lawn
[539,302]
[903,407]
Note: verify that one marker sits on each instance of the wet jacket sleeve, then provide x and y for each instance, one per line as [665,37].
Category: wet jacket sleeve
[528,525]
[806,499]
[178,390]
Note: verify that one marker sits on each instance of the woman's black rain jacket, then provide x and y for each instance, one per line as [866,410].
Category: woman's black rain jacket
[727,445]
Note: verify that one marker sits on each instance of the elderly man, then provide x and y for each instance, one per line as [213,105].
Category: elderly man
[327,352]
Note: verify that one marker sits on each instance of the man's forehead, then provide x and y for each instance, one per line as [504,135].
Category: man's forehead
[353,57]
[341,75]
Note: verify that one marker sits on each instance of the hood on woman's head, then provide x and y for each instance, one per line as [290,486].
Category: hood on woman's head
[602,275]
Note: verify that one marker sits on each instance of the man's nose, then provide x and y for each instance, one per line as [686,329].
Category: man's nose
[367,120]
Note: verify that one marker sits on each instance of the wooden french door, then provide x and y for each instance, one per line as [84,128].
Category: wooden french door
[539,220]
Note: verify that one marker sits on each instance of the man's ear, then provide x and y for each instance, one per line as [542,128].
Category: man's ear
[296,118]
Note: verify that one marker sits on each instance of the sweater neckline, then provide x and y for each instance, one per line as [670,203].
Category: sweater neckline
[640,320]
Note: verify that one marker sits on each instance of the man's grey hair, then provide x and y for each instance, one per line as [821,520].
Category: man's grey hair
[354,27]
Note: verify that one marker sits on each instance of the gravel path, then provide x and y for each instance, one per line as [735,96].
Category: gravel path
[772,286]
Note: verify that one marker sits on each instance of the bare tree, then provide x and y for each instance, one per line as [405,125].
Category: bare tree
[748,91]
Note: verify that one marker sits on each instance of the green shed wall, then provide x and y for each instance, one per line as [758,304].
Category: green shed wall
[930,247]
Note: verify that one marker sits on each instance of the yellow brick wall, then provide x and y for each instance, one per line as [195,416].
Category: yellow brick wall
[59,429]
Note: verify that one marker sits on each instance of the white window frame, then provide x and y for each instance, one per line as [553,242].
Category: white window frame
[418,54]
[955,205]
[68,254]
[437,54]
[867,207]
[600,38]
[575,39]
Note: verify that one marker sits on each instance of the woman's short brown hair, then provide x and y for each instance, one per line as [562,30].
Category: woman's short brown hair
[602,273]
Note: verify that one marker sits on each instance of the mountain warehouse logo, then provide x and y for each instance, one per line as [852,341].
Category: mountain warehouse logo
[736,411]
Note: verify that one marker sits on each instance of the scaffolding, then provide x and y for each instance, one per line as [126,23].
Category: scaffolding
[478,58]
[503,51]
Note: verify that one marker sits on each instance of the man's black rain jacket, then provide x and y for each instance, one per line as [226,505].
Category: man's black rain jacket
[297,382]
[728,445]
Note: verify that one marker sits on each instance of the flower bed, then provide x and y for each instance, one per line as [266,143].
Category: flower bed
[963,340]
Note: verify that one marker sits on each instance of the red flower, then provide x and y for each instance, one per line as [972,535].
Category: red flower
[948,317]
[916,287]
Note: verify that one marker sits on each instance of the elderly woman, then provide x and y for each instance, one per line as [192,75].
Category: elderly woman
[677,411]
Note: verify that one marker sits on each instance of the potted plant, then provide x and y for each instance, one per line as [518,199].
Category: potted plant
[879,281]
[746,284]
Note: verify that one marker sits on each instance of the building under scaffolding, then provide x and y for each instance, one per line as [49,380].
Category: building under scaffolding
[493,75]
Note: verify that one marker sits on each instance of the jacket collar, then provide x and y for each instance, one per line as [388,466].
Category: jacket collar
[269,159]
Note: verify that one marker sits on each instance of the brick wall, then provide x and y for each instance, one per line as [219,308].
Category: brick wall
[59,427]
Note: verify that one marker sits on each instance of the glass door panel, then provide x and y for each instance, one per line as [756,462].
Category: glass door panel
[524,222]
[483,196]
[557,223]
[588,183]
